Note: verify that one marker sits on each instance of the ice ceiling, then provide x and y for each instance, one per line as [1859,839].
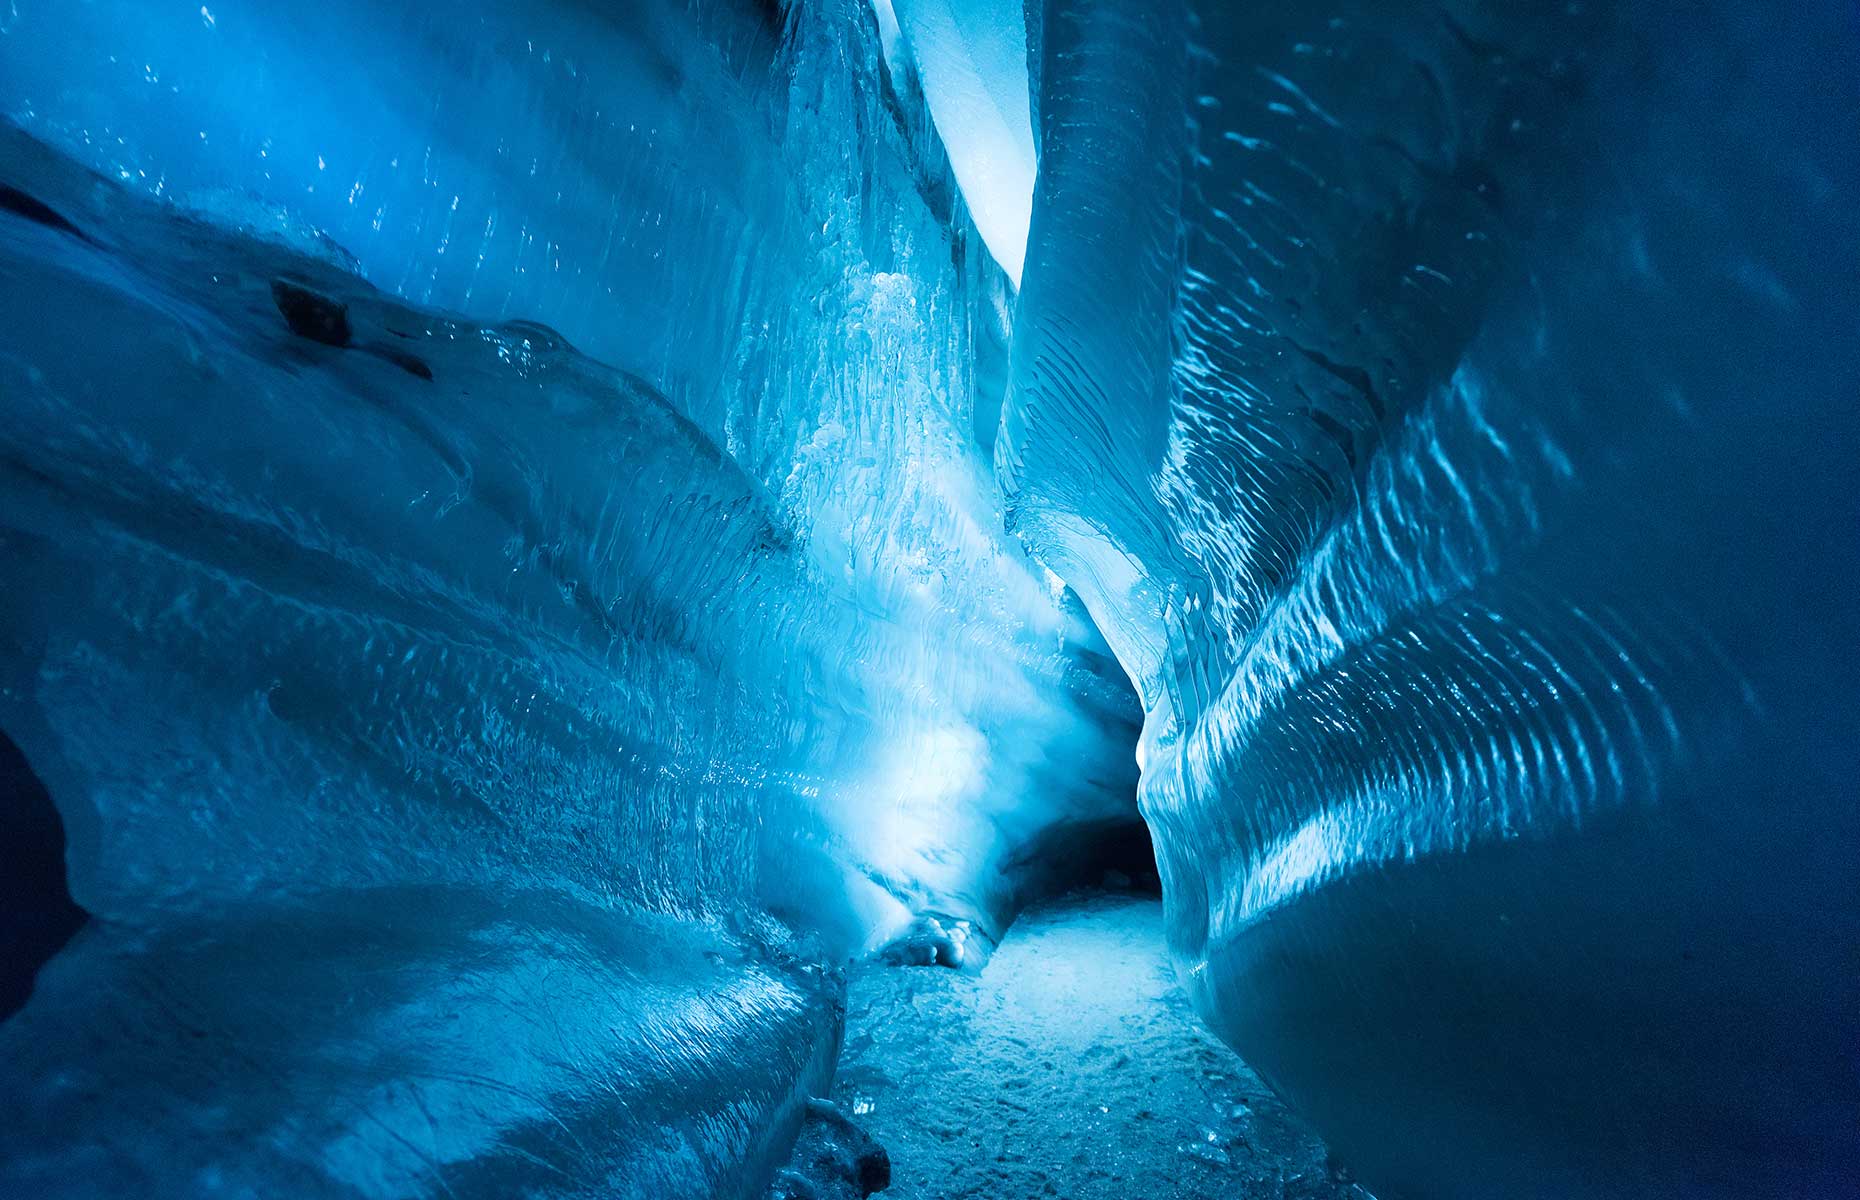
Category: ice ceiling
[530,531]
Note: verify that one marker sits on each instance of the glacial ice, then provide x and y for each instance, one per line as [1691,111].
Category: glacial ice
[492,512]
[1455,445]
[971,63]
[529,531]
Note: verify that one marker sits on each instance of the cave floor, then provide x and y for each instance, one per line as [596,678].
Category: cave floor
[1072,1066]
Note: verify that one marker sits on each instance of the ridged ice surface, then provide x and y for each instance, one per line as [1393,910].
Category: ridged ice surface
[1446,412]
[503,570]
[493,506]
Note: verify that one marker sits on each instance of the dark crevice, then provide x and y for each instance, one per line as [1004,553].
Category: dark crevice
[33,209]
[37,915]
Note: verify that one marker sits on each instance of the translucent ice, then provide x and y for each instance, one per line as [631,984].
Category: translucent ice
[1446,412]
[528,529]
[971,59]
[491,510]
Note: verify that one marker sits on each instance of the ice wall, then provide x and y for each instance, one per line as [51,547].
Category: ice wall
[1447,413]
[493,510]
[972,61]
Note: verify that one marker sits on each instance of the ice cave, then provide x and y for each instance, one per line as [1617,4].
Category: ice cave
[941,599]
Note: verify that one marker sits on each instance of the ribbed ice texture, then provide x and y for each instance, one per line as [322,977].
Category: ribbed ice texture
[1446,413]
[490,506]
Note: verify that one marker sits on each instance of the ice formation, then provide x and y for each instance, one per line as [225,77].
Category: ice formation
[970,59]
[529,531]
[1455,444]
[492,505]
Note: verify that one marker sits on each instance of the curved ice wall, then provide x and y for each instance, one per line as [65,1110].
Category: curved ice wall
[1447,411]
[493,508]
[972,58]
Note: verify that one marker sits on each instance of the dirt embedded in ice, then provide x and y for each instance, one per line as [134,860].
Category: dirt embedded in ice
[834,1159]
[1072,1066]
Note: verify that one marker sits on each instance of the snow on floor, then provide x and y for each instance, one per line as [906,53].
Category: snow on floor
[1072,1066]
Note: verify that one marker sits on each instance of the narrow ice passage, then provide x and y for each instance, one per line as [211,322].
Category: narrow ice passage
[1071,1065]
[536,535]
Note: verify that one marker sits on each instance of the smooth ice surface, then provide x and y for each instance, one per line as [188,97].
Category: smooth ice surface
[971,61]
[410,1042]
[492,509]
[1447,413]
